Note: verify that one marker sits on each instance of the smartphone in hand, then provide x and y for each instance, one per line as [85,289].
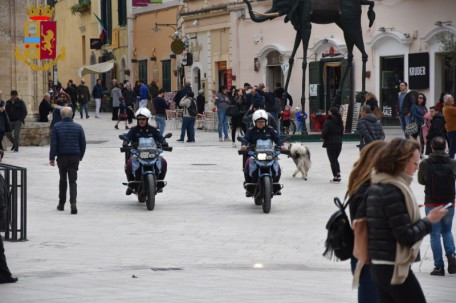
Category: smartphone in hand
[447,205]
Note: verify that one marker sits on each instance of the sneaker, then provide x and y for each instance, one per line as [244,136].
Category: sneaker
[335,180]
[438,271]
[452,264]
[116,126]
[234,145]
[180,140]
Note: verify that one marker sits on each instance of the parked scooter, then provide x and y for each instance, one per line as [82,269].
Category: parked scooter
[264,163]
[146,166]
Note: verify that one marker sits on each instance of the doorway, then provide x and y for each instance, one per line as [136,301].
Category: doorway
[331,81]
[391,76]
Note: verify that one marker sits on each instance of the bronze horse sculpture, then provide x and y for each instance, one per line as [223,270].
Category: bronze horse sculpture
[302,13]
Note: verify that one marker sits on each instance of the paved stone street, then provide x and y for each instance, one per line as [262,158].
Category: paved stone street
[204,242]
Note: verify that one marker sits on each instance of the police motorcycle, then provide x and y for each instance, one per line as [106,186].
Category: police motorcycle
[146,166]
[264,163]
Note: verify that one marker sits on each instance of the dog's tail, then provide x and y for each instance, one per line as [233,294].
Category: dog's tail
[308,155]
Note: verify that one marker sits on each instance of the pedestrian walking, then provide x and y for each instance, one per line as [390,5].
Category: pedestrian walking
[332,133]
[122,115]
[72,90]
[143,94]
[130,98]
[188,120]
[358,183]
[436,129]
[161,106]
[405,101]
[97,94]
[395,227]
[68,144]
[17,111]
[222,102]
[370,129]
[437,174]
[236,120]
[83,98]
[45,108]
[4,124]
[116,93]
[418,110]
[449,113]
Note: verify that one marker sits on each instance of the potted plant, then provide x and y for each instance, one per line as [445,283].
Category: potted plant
[81,8]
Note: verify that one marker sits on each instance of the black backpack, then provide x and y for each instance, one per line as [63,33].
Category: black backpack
[440,181]
[340,240]
[192,110]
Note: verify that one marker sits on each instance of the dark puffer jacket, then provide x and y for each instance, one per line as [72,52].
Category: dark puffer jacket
[333,131]
[370,129]
[67,139]
[388,222]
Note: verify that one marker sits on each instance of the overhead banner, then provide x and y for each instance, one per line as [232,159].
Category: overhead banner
[418,71]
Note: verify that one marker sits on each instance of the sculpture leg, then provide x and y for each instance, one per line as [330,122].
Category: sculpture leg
[305,44]
[290,63]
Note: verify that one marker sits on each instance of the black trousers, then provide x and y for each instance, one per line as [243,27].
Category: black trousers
[68,167]
[409,291]
[333,152]
[4,270]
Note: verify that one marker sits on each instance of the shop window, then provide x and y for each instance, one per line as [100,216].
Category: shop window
[166,74]
[142,71]
[391,76]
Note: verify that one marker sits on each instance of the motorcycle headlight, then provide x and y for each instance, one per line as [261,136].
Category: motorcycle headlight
[151,156]
[144,155]
[262,156]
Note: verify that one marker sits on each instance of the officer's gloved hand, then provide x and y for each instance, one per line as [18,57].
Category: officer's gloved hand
[165,144]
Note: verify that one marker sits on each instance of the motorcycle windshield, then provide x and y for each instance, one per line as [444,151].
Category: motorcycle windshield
[147,143]
[264,145]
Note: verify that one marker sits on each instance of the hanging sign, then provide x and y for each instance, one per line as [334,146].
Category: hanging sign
[418,71]
[40,39]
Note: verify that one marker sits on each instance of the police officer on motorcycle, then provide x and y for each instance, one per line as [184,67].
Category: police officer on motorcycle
[260,131]
[144,130]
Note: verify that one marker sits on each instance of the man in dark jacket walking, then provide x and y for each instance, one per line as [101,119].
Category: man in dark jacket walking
[83,98]
[405,102]
[437,173]
[369,127]
[68,144]
[437,128]
[97,94]
[17,111]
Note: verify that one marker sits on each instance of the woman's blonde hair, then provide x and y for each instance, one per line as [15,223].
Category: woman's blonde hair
[395,156]
[370,95]
[362,169]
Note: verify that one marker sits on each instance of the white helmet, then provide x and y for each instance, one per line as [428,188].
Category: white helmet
[259,114]
[143,112]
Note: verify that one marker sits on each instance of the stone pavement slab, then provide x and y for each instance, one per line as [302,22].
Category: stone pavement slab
[204,242]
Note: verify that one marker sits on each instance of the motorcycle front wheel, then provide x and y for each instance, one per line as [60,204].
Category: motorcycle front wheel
[150,186]
[266,184]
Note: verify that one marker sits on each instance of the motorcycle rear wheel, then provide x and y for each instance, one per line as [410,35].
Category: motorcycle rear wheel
[267,193]
[150,185]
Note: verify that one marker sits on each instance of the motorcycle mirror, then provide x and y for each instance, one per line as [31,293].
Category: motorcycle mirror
[168,135]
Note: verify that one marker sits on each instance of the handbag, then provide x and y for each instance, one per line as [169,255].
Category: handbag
[360,248]
[233,111]
[411,128]
[378,113]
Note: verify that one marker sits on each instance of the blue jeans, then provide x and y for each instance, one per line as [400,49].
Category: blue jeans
[83,106]
[367,292]
[161,123]
[404,121]
[451,144]
[188,124]
[442,228]
[298,126]
[222,124]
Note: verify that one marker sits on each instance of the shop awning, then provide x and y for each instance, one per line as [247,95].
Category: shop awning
[96,68]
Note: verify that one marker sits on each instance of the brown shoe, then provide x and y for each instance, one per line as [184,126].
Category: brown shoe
[74,210]
[61,206]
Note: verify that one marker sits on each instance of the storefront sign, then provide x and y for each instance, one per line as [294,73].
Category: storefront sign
[418,71]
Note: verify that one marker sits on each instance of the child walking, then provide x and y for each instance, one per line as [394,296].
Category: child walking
[286,116]
[122,116]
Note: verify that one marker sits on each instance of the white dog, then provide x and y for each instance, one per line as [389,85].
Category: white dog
[301,157]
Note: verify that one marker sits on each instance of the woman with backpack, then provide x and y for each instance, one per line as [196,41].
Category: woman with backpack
[358,183]
[394,225]
[188,103]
